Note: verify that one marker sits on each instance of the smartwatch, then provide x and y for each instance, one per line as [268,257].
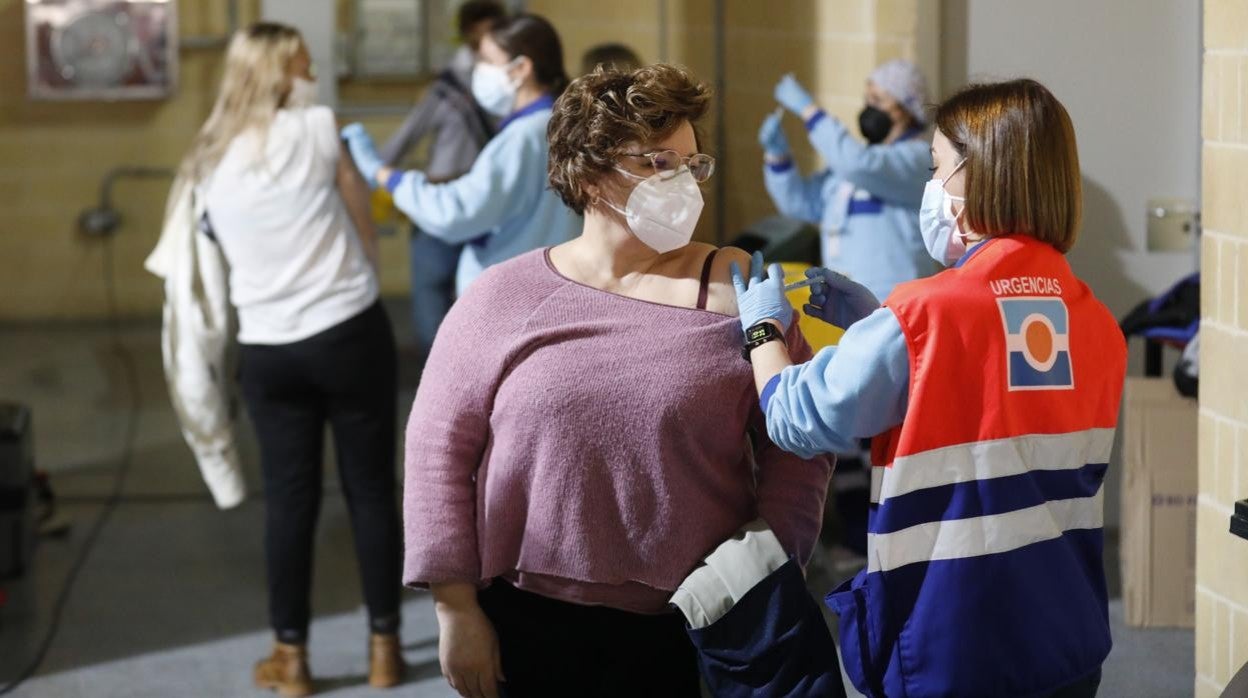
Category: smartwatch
[759,335]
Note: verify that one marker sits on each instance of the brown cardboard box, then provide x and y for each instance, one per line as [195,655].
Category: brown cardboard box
[1159,473]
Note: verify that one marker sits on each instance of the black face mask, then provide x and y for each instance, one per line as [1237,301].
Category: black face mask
[875,124]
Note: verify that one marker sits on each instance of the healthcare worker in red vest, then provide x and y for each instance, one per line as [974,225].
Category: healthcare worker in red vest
[991,390]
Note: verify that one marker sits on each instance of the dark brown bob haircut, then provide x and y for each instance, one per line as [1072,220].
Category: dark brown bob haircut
[602,113]
[1022,163]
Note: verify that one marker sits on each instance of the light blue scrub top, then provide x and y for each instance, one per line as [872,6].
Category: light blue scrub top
[854,390]
[505,194]
[866,203]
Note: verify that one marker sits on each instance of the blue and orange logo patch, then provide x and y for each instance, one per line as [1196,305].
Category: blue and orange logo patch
[1037,341]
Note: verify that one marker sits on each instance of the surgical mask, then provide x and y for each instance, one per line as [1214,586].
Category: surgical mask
[875,124]
[303,93]
[493,89]
[945,243]
[663,209]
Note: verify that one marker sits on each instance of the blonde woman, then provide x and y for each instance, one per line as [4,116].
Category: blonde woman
[290,213]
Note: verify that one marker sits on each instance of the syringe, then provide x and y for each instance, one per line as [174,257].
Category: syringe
[801,284]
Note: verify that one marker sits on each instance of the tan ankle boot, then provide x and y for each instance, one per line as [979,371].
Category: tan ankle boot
[285,671]
[385,661]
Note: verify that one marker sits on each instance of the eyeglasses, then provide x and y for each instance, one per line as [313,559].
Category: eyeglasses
[668,162]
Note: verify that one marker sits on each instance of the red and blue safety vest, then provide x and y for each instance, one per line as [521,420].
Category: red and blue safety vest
[984,573]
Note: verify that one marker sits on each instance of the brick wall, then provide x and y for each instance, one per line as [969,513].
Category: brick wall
[831,45]
[53,155]
[1222,559]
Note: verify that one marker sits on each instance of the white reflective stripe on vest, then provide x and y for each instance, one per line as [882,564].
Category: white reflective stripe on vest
[985,460]
[983,535]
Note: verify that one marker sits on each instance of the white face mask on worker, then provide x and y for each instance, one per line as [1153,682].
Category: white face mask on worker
[941,234]
[493,88]
[663,209]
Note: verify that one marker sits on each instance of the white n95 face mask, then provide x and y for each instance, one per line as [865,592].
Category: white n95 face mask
[945,242]
[303,93]
[493,89]
[663,209]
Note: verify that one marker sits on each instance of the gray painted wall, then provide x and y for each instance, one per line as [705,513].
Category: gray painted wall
[317,21]
[1130,76]
[1129,73]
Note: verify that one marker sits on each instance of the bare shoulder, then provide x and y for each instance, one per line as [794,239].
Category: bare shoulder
[688,261]
[725,258]
[722,298]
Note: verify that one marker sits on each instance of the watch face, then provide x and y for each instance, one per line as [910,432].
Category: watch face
[757,332]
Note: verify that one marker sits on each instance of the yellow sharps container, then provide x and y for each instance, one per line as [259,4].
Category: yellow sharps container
[818,333]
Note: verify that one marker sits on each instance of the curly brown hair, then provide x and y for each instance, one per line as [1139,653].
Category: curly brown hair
[602,113]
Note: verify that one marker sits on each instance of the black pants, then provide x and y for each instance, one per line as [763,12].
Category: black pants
[552,649]
[345,376]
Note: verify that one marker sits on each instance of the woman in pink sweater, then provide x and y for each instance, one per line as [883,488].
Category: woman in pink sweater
[586,429]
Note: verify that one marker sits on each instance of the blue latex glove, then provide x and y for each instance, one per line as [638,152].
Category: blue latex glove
[771,136]
[763,298]
[837,300]
[363,151]
[792,96]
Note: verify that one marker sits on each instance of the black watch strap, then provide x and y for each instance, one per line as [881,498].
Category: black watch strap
[758,335]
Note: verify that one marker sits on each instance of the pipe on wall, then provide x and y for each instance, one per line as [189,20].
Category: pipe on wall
[721,134]
[103,220]
[663,31]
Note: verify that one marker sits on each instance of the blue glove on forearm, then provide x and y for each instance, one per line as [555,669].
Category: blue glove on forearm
[363,152]
[772,138]
[792,96]
[837,300]
[763,297]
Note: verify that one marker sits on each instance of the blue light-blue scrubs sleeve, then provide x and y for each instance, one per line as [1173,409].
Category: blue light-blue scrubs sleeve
[511,168]
[894,172]
[854,390]
[795,196]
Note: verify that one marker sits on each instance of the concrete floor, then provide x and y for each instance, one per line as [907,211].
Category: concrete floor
[170,601]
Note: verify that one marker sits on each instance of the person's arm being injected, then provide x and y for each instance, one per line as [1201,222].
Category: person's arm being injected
[355,196]
[854,390]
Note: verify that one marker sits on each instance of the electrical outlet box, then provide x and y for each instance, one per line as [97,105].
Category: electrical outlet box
[1173,224]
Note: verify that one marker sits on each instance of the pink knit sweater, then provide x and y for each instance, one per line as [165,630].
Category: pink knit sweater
[588,446]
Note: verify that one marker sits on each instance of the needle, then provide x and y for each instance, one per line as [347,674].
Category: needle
[801,284]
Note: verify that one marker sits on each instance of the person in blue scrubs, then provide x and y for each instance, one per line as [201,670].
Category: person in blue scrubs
[518,75]
[866,201]
[866,204]
[455,130]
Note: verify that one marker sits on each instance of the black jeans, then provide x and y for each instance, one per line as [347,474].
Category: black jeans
[553,649]
[345,376]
